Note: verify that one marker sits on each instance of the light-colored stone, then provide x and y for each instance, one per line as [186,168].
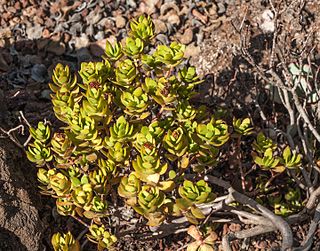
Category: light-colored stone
[187,36]
[192,50]
[120,22]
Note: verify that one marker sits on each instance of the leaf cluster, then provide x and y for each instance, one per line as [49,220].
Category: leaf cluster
[129,128]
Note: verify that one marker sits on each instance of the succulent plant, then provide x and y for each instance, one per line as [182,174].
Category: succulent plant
[126,72]
[60,183]
[129,188]
[128,126]
[83,131]
[142,28]
[149,171]
[185,112]
[82,196]
[215,133]
[193,194]
[197,193]
[176,142]
[135,102]
[242,127]
[39,153]
[268,161]
[133,47]
[99,178]
[150,199]
[61,145]
[94,72]
[41,133]
[201,243]
[63,81]
[119,152]
[163,94]
[263,143]
[99,235]
[96,104]
[121,131]
[64,103]
[43,176]
[291,159]
[113,52]
[65,242]
[99,205]
[287,203]
[169,55]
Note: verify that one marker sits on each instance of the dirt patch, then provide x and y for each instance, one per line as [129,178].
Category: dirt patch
[20,225]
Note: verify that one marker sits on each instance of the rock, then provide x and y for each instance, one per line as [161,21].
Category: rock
[105,23]
[192,50]
[120,22]
[75,28]
[81,42]
[97,48]
[187,36]
[45,94]
[163,38]
[99,36]
[268,23]
[160,26]
[213,12]
[39,73]
[66,38]
[90,30]
[46,33]
[42,43]
[235,227]
[198,15]
[20,225]
[57,48]
[149,6]
[132,4]
[34,32]
[173,18]
[221,8]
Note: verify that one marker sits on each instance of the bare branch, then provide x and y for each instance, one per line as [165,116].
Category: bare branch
[278,222]
[11,136]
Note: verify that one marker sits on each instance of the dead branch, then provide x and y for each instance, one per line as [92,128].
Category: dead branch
[278,222]
[313,199]
[11,136]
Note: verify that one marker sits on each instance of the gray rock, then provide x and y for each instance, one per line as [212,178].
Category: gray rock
[99,36]
[75,28]
[221,8]
[45,94]
[39,73]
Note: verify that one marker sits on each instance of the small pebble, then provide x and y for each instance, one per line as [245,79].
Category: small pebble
[120,22]
[187,36]
[221,8]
